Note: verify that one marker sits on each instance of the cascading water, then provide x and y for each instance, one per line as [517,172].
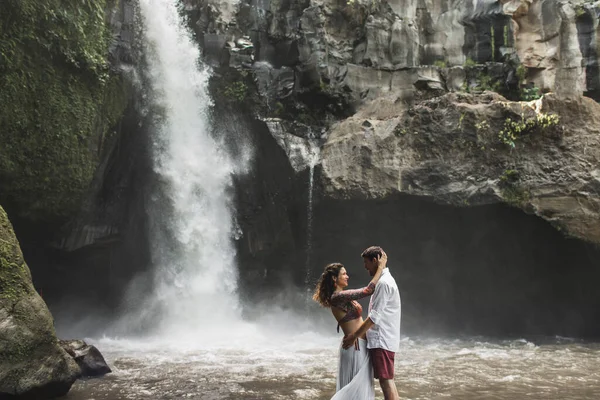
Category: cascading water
[192,251]
[313,159]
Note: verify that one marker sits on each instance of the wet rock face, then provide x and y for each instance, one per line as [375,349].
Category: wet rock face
[32,365]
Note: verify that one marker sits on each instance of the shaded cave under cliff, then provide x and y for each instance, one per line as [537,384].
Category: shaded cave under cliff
[487,270]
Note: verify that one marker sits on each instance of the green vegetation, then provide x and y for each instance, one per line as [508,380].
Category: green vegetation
[529,94]
[482,126]
[512,193]
[460,121]
[515,196]
[278,109]
[440,64]
[57,103]
[509,176]
[14,274]
[521,73]
[526,93]
[483,82]
[469,63]
[236,91]
[493,42]
[398,131]
[579,10]
[514,130]
[486,83]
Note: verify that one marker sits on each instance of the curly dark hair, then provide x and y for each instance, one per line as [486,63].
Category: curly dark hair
[326,285]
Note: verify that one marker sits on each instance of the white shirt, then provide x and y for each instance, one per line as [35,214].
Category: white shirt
[384,311]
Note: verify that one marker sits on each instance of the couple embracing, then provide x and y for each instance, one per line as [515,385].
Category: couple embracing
[369,346]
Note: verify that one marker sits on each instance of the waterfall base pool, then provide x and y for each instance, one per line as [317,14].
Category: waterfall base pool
[305,368]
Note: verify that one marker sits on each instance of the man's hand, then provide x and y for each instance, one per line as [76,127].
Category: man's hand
[350,340]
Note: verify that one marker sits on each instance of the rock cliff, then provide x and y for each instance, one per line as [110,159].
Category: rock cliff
[468,150]
[345,72]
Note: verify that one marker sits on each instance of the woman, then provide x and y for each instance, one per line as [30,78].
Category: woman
[355,373]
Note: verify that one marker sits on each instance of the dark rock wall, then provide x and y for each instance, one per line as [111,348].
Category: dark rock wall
[270,203]
[87,268]
[483,270]
[587,26]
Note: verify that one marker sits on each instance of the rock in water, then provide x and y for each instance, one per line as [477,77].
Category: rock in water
[32,363]
[88,357]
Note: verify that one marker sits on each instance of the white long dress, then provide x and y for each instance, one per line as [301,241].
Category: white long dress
[355,374]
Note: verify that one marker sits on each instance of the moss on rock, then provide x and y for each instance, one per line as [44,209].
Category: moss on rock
[31,361]
[58,101]
[15,279]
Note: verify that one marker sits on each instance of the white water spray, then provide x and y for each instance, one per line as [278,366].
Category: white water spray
[192,250]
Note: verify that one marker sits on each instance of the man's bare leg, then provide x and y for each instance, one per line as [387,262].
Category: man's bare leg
[390,392]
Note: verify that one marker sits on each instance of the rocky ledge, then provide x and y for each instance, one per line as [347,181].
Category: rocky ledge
[465,149]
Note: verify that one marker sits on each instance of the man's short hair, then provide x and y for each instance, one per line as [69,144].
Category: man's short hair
[372,252]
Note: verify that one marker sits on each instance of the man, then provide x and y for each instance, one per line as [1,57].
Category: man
[382,325]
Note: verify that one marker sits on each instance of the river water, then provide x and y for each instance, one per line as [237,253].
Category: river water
[303,366]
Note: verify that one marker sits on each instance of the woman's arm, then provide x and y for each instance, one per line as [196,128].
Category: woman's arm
[381,265]
[356,294]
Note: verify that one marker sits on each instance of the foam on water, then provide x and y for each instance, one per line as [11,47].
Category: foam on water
[425,369]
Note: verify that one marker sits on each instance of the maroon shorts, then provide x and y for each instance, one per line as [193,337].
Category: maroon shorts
[383,363]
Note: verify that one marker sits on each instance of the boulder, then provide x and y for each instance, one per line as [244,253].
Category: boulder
[90,360]
[32,364]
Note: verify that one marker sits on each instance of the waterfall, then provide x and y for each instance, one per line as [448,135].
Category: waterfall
[312,159]
[193,256]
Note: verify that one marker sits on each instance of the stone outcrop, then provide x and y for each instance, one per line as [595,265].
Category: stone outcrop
[32,364]
[455,150]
